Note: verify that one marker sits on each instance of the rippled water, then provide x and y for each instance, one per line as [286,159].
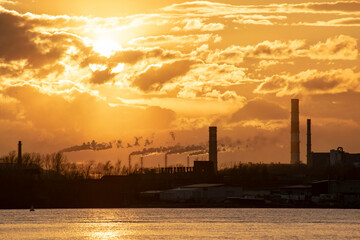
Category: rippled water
[180,224]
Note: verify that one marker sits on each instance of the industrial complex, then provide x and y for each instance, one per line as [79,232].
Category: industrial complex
[327,179]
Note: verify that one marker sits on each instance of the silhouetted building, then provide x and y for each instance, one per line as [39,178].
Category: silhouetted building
[295,142]
[213,147]
[319,159]
[152,195]
[203,167]
[201,193]
[295,192]
[338,157]
[343,193]
[332,158]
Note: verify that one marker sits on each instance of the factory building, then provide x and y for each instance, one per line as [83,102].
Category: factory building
[204,167]
[210,166]
[316,159]
[201,193]
[333,158]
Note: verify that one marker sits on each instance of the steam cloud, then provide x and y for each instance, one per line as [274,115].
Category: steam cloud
[225,144]
[172,134]
[137,141]
[177,149]
[119,144]
[93,145]
[89,146]
[202,152]
[148,142]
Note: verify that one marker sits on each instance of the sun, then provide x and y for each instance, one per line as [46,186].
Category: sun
[105,46]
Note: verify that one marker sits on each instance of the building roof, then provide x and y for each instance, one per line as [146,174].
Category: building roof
[152,192]
[203,185]
[321,181]
[297,187]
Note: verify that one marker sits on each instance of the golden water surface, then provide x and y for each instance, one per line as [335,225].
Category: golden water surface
[180,224]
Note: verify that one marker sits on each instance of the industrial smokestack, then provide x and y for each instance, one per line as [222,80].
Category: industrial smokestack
[188,161]
[295,140]
[213,146]
[308,144]
[129,163]
[142,164]
[166,160]
[19,154]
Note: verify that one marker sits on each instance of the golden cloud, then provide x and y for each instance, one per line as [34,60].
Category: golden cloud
[311,82]
[339,47]
[178,41]
[260,109]
[155,76]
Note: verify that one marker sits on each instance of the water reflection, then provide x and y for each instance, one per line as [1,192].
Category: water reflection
[138,224]
[108,224]
[104,235]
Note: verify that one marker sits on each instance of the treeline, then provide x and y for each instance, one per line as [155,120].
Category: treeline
[58,164]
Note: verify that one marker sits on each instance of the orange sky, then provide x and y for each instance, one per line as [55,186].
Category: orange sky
[77,71]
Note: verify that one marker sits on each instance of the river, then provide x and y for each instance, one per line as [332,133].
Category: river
[203,223]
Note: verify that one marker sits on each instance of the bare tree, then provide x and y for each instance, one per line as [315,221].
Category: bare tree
[107,168]
[117,168]
[47,161]
[87,169]
[57,162]
[11,158]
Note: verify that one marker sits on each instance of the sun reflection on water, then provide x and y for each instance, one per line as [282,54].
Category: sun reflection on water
[140,224]
[103,235]
[103,224]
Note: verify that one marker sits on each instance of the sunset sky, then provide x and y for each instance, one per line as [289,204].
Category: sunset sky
[77,71]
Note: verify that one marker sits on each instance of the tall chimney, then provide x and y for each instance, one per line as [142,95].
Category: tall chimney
[142,163]
[188,161]
[19,154]
[295,140]
[166,160]
[213,147]
[129,163]
[308,144]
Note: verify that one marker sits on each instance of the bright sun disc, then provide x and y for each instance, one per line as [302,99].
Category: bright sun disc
[106,47]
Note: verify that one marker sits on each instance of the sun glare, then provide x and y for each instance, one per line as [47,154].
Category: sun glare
[106,47]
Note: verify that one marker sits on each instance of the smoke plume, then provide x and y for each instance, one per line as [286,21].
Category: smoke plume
[172,134]
[137,141]
[93,145]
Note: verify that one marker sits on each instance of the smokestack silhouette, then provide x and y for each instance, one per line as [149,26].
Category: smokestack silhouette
[129,163]
[172,134]
[166,160]
[213,147]
[142,163]
[308,144]
[295,140]
[19,154]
